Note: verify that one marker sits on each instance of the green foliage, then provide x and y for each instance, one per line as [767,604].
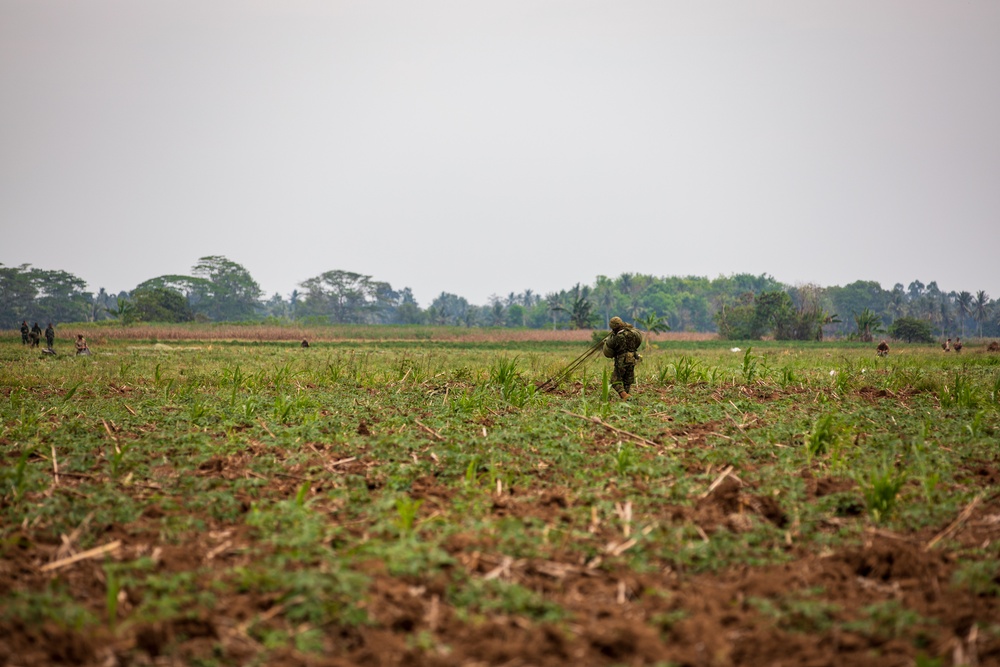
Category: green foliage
[881,488]
[979,577]
[407,509]
[749,367]
[868,324]
[625,458]
[578,307]
[498,596]
[824,435]
[155,304]
[40,295]
[17,479]
[911,330]
[276,482]
[886,620]
[774,312]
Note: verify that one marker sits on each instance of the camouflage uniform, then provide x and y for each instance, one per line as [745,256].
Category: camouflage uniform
[35,335]
[24,332]
[50,336]
[623,346]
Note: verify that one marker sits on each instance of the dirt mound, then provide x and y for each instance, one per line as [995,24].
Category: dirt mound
[731,505]
[45,644]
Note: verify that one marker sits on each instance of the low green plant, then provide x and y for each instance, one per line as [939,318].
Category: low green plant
[881,489]
[624,458]
[749,367]
[19,478]
[979,577]
[960,394]
[824,435]
[926,467]
[406,514]
[886,620]
[113,588]
[786,377]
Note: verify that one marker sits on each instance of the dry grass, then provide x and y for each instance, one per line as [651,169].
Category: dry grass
[98,333]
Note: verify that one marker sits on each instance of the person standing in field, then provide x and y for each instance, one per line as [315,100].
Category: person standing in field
[50,336]
[883,349]
[24,332]
[36,334]
[623,346]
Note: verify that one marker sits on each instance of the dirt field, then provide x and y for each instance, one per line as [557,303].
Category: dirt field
[695,549]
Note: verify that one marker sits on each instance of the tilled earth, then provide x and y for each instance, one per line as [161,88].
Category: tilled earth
[888,600]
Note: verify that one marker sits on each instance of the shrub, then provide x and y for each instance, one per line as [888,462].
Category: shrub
[911,330]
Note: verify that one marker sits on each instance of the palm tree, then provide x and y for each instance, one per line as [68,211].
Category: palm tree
[868,324]
[897,302]
[963,302]
[946,321]
[580,310]
[554,307]
[605,293]
[652,323]
[980,309]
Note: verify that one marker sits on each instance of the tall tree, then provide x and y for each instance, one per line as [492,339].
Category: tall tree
[233,294]
[963,304]
[980,309]
[17,294]
[347,297]
[158,304]
[580,309]
[43,296]
[868,324]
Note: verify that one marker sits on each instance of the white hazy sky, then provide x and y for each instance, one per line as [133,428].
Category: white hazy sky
[482,146]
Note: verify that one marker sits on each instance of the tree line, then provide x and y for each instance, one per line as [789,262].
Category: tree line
[739,307]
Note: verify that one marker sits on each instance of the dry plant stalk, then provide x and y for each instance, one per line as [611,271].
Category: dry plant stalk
[718,480]
[83,555]
[962,517]
[600,422]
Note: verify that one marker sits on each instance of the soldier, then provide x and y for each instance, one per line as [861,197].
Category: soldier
[623,346]
[35,335]
[882,350]
[81,345]
[50,336]
[24,332]
[958,345]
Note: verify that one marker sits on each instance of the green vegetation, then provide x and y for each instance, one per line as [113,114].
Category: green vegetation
[254,501]
[737,307]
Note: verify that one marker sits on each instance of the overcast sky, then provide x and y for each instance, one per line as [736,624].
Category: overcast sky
[482,147]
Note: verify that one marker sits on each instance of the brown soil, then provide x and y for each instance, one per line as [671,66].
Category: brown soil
[864,604]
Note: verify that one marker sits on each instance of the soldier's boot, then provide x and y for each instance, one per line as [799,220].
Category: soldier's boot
[624,395]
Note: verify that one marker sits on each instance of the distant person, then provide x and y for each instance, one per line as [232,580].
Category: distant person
[946,346]
[25,330]
[50,336]
[958,345]
[81,345]
[305,343]
[882,350]
[622,346]
[35,335]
